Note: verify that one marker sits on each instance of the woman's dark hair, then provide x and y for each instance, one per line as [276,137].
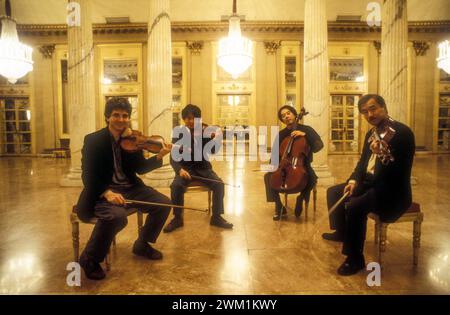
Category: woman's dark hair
[365,98]
[288,107]
[117,103]
[191,109]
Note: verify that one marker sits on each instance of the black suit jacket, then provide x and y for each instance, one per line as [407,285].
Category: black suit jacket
[97,165]
[392,182]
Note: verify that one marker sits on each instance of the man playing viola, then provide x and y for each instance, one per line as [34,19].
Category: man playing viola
[287,114]
[380,182]
[109,178]
[198,165]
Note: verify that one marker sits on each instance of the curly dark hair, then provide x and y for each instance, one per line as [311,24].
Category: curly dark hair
[191,109]
[117,103]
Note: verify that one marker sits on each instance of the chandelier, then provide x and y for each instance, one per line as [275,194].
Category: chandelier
[444,56]
[15,57]
[235,51]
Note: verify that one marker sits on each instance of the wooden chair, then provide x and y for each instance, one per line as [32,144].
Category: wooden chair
[198,186]
[306,203]
[413,214]
[74,220]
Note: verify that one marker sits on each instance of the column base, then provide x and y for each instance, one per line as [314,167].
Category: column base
[160,178]
[325,177]
[72,179]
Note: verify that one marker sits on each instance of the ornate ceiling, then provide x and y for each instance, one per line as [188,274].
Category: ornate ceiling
[53,11]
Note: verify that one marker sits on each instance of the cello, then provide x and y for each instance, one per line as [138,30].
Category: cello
[291,176]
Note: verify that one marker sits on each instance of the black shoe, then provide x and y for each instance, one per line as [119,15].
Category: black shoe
[277,216]
[92,269]
[335,236]
[220,222]
[144,249]
[351,266]
[173,225]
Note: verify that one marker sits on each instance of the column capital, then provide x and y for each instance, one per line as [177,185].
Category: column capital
[195,47]
[47,51]
[420,47]
[271,47]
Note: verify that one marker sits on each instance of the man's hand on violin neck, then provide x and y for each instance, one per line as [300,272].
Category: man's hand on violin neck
[297,133]
[114,198]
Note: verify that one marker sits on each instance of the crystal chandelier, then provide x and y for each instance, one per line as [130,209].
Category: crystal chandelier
[15,57]
[443,61]
[235,51]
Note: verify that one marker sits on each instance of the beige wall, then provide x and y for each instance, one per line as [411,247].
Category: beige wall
[266,88]
[423,97]
[44,103]
[200,83]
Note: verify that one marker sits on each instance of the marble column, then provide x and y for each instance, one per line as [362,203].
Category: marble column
[81,97]
[393,72]
[159,84]
[316,95]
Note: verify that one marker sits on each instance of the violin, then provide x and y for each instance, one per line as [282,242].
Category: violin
[388,130]
[291,176]
[134,140]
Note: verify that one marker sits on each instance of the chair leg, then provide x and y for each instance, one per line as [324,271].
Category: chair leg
[306,209]
[140,221]
[209,201]
[114,242]
[76,239]
[285,201]
[108,260]
[383,238]
[377,232]
[416,240]
[314,197]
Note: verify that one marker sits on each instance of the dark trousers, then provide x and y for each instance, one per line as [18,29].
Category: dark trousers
[113,218]
[274,196]
[350,217]
[179,184]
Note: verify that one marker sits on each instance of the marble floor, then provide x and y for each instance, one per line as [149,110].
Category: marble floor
[259,256]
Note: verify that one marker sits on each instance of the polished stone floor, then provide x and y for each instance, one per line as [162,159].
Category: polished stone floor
[259,256]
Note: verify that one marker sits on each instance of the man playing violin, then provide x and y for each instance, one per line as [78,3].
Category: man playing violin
[195,165]
[380,182]
[109,178]
[287,114]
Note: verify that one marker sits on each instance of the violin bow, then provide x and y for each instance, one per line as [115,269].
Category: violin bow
[333,208]
[214,180]
[149,203]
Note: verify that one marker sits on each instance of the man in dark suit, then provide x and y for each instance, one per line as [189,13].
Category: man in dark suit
[287,114]
[109,178]
[194,164]
[378,184]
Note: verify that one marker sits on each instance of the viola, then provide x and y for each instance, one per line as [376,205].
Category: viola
[291,176]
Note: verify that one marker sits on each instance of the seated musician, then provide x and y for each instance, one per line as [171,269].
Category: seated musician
[380,183]
[287,114]
[197,166]
[109,178]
